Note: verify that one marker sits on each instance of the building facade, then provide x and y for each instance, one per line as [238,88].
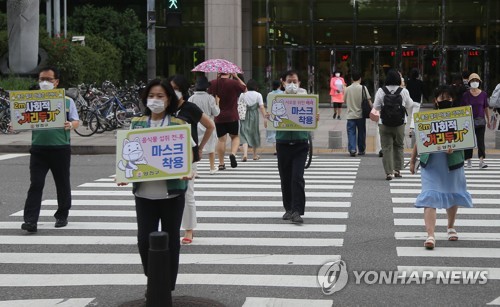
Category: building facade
[441,38]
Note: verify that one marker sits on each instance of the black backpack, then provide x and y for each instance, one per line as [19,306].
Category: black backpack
[393,113]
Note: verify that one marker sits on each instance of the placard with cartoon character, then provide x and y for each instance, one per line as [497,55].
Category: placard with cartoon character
[292,112]
[153,153]
[43,109]
[439,130]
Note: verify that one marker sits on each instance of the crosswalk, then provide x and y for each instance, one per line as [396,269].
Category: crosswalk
[240,239]
[478,227]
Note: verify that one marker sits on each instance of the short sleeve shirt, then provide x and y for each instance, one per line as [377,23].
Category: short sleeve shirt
[229,91]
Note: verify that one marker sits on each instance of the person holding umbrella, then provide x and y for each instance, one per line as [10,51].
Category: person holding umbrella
[228,88]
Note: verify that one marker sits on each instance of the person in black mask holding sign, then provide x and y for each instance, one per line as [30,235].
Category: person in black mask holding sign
[443,180]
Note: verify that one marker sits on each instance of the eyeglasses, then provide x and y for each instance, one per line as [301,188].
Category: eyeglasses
[47,79]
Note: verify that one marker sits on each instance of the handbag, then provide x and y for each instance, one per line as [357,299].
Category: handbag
[493,122]
[242,107]
[365,105]
[479,122]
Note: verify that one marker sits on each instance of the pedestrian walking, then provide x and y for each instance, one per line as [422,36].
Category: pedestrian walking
[494,103]
[292,148]
[392,100]
[337,89]
[356,123]
[191,114]
[478,99]
[50,150]
[249,127]
[227,122]
[444,184]
[161,202]
[210,106]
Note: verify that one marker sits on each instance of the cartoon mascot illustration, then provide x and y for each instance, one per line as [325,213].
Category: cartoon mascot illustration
[132,153]
[279,112]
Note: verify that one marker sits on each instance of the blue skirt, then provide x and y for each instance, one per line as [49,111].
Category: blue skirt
[443,188]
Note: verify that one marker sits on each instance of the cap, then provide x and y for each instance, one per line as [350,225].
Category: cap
[474,76]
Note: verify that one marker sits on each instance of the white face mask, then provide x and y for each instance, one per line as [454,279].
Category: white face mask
[156,105]
[179,94]
[337,75]
[46,85]
[474,84]
[291,88]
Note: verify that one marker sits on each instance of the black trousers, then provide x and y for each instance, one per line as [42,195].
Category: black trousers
[149,214]
[42,160]
[291,162]
[481,150]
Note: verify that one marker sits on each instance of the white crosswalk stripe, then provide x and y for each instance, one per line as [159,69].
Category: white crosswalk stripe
[478,228]
[239,226]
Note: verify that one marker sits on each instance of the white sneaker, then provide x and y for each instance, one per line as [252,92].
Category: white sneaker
[469,163]
[213,171]
[482,164]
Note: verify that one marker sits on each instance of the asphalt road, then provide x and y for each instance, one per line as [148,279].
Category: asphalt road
[243,253]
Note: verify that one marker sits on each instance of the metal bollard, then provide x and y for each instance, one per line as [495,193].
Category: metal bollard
[158,291]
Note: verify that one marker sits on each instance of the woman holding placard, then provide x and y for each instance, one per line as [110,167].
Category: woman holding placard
[159,201]
[443,180]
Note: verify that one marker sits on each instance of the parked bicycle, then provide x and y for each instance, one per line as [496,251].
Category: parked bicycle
[4,111]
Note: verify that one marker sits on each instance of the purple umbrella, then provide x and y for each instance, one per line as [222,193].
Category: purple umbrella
[218,66]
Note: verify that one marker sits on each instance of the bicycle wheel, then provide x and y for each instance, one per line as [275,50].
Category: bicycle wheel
[309,152]
[124,115]
[88,123]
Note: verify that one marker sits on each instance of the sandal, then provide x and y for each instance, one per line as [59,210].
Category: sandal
[397,174]
[257,157]
[430,243]
[244,159]
[452,234]
[186,240]
[222,167]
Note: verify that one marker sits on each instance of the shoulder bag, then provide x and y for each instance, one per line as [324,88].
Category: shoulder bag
[365,105]
[242,107]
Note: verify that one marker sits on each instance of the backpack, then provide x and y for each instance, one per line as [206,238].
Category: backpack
[393,113]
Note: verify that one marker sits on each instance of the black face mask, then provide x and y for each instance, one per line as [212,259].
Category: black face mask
[445,104]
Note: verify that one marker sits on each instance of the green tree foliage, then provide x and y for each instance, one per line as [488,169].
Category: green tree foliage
[94,62]
[122,29]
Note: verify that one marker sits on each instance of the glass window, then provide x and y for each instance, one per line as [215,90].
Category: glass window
[419,34]
[259,37]
[377,10]
[289,10]
[327,10]
[464,35]
[465,10]
[290,35]
[332,34]
[494,77]
[376,34]
[259,10]
[420,10]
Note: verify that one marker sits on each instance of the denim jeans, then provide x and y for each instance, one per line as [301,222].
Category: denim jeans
[356,126]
